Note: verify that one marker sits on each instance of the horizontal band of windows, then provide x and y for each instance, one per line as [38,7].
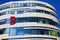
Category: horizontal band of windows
[30,19]
[37,27]
[25,5]
[21,31]
[21,11]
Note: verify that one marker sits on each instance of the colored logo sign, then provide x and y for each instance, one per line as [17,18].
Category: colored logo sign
[53,33]
[12,20]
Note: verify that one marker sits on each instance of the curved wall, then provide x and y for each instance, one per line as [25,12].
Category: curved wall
[26,19]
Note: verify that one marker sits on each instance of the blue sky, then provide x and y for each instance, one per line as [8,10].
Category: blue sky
[55,3]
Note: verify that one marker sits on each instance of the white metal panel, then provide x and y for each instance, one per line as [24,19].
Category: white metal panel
[29,2]
[41,8]
[32,14]
[24,36]
[26,24]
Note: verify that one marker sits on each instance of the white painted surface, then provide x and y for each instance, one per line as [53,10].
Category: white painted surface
[29,2]
[23,36]
[32,14]
[41,8]
[27,24]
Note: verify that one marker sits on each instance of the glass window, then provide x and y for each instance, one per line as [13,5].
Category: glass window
[33,4]
[22,31]
[21,5]
[11,12]
[15,5]
[19,11]
[28,4]
[42,32]
[7,6]
[1,8]
[25,5]
[38,10]
[58,34]
[3,13]
[10,6]
[2,22]
[31,19]
[2,31]
[45,21]
[50,22]
[40,21]
[18,5]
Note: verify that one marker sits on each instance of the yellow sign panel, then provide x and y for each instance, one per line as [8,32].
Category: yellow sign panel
[53,33]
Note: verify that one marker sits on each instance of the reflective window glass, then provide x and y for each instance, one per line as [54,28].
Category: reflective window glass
[58,34]
[25,5]
[2,31]
[19,11]
[2,22]
[31,19]
[22,31]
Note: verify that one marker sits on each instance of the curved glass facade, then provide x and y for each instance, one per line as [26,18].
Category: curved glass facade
[21,8]
[21,11]
[14,5]
[26,31]
[21,31]
[31,19]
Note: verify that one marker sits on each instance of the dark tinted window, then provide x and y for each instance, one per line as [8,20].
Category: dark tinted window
[58,34]
[22,31]
[32,19]
[2,31]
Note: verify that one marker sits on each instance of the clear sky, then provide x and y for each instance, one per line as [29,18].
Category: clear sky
[55,3]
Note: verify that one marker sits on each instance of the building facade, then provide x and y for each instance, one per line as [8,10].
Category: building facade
[28,20]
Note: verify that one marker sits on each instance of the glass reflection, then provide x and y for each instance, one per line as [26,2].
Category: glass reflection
[24,5]
[32,19]
[22,31]
[21,11]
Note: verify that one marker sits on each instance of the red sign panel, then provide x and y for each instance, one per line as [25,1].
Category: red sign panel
[12,20]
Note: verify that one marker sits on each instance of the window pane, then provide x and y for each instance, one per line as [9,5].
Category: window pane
[22,31]
[31,19]
[2,31]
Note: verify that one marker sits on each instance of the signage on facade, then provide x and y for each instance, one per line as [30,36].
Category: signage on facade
[12,20]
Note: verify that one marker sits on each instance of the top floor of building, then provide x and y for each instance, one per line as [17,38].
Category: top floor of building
[15,4]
